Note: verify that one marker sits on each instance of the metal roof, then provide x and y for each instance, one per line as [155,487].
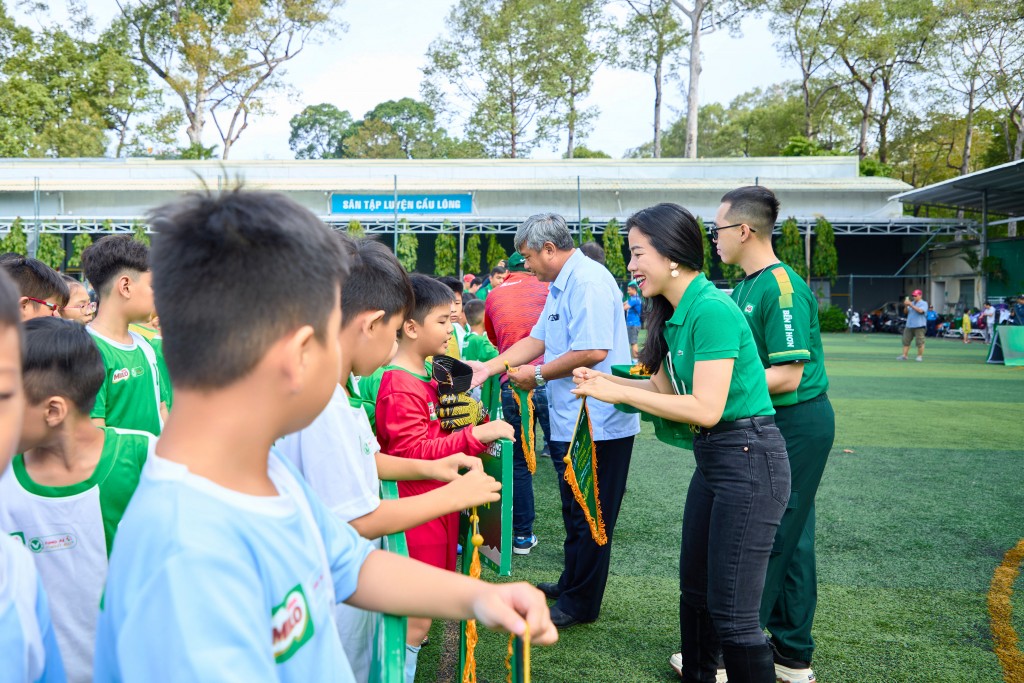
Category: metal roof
[1002,186]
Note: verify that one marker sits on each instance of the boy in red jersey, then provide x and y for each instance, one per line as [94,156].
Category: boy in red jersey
[408,426]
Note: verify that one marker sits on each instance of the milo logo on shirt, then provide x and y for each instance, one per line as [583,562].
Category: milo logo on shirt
[292,624]
[120,375]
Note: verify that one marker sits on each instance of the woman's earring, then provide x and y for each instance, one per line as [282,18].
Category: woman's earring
[675,269]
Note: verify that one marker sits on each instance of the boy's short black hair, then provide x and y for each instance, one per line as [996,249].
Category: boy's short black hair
[376,280]
[10,311]
[61,359]
[478,281]
[453,283]
[474,310]
[755,205]
[35,279]
[429,295]
[499,270]
[233,273]
[106,258]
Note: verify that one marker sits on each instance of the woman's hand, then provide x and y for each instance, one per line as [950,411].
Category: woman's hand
[594,384]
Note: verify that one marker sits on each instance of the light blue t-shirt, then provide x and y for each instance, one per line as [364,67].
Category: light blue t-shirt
[28,645]
[583,311]
[208,584]
[915,319]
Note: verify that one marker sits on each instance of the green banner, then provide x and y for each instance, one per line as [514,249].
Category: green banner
[495,518]
[1007,345]
[388,662]
[581,473]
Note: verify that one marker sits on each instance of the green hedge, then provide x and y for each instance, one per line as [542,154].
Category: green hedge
[832,319]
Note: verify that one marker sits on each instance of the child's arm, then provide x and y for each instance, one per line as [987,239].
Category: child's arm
[392,516]
[394,468]
[398,585]
[403,423]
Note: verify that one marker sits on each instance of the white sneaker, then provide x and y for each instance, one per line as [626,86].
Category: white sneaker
[676,662]
[784,674]
[919,359]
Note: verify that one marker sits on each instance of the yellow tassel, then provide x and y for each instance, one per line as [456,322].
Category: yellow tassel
[469,672]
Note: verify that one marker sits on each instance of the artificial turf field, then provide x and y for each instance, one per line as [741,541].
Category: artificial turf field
[922,498]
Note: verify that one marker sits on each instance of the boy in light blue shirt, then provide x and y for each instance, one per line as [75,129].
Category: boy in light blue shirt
[226,565]
[28,645]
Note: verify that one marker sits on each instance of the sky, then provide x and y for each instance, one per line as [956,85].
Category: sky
[380,56]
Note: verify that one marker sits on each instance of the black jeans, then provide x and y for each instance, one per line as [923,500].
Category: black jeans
[585,572]
[736,498]
[522,480]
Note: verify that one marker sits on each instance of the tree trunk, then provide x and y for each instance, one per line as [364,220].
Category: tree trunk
[865,121]
[692,92]
[1018,147]
[572,130]
[657,112]
[805,86]
[196,122]
[965,162]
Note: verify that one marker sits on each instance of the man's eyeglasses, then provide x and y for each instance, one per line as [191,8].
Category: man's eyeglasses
[53,307]
[713,230]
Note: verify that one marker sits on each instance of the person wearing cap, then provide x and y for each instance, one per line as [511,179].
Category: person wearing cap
[917,320]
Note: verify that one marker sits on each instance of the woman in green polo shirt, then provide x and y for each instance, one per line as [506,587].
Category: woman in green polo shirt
[709,382]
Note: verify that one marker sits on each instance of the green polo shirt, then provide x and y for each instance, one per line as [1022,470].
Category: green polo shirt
[707,326]
[783,316]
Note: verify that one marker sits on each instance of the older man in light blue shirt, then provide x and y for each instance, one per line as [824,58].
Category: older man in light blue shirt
[581,325]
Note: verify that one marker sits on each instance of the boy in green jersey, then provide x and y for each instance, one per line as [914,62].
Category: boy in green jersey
[133,395]
[783,316]
[64,495]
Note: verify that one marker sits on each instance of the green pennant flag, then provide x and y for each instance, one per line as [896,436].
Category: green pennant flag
[581,473]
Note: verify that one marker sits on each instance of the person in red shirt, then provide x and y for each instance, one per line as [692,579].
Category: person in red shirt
[510,312]
[408,425]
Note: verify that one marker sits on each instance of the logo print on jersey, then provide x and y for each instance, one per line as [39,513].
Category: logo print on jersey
[749,308]
[50,544]
[138,371]
[120,375]
[292,624]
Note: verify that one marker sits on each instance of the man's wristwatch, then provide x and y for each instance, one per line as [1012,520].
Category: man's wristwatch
[537,376]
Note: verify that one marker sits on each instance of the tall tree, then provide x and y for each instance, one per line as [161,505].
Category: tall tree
[963,48]
[578,43]
[653,37]
[803,22]
[704,16]
[489,61]
[879,45]
[319,132]
[1007,70]
[223,57]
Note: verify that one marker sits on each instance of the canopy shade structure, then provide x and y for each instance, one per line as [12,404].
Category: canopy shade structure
[999,189]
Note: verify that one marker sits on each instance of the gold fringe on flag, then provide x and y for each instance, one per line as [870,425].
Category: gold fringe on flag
[469,671]
[597,530]
[527,430]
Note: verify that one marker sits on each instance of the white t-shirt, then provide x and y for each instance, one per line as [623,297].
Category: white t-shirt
[336,455]
[28,646]
[990,317]
[210,584]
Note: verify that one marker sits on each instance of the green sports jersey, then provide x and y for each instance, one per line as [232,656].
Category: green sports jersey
[70,532]
[783,317]
[132,390]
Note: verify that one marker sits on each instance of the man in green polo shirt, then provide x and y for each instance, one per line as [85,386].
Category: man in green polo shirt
[783,316]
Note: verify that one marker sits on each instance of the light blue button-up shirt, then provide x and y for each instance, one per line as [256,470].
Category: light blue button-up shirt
[583,311]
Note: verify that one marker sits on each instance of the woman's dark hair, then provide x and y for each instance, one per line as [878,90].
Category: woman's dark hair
[674,233]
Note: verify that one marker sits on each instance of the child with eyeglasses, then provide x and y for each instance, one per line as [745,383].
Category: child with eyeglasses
[43,291]
[80,307]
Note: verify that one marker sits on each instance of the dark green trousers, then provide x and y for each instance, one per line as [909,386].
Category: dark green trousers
[791,586]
